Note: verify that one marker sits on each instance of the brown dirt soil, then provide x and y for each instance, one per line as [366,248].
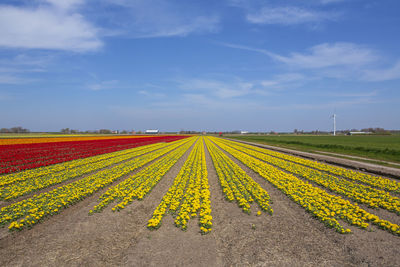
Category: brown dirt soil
[289,237]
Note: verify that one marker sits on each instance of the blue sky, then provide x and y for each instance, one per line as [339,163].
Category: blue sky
[199,65]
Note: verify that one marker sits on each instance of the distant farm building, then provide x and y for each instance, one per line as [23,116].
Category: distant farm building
[355,133]
[152,131]
[244,132]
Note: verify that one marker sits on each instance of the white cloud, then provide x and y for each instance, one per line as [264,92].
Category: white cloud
[47,27]
[220,89]
[320,56]
[153,28]
[104,85]
[248,48]
[64,4]
[151,94]
[13,69]
[13,79]
[284,80]
[24,63]
[158,18]
[332,60]
[329,1]
[286,16]
[376,75]
[328,55]
[353,94]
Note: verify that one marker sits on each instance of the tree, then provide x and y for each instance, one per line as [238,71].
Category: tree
[105,131]
[19,129]
[65,131]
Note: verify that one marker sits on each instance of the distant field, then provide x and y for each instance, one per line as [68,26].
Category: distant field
[380,147]
[40,135]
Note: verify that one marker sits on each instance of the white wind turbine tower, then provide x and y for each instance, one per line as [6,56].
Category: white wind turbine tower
[334,124]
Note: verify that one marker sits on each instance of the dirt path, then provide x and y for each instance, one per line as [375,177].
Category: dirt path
[355,157]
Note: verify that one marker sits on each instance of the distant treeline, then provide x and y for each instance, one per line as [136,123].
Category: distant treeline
[17,129]
[101,131]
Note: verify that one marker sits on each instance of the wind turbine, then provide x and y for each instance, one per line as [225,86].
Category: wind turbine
[334,123]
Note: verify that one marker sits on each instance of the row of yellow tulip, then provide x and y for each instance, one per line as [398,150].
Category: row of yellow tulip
[325,207]
[189,194]
[360,193]
[34,209]
[70,171]
[139,184]
[172,199]
[375,181]
[235,183]
[53,169]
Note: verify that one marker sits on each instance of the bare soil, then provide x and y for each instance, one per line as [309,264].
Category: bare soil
[290,236]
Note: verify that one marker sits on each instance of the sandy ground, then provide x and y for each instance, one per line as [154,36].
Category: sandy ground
[355,157]
[289,237]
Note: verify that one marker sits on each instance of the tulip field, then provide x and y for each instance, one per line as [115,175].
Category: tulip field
[212,198]
[19,154]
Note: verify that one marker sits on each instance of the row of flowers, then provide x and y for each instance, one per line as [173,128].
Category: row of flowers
[140,184]
[360,193]
[15,158]
[189,196]
[48,138]
[69,170]
[36,208]
[325,207]
[11,178]
[375,181]
[236,184]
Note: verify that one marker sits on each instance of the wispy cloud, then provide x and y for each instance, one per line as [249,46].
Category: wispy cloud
[151,94]
[328,55]
[327,105]
[23,63]
[248,48]
[14,79]
[382,74]
[286,80]
[288,15]
[64,4]
[197,25]
[320,56]
[334,60]
[353,94]
[258,12]
[104,85]
[160,18]
[218,88]
[324,2]
[18,69]
[56,26]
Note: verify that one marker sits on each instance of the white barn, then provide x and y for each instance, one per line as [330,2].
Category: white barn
[152,131]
